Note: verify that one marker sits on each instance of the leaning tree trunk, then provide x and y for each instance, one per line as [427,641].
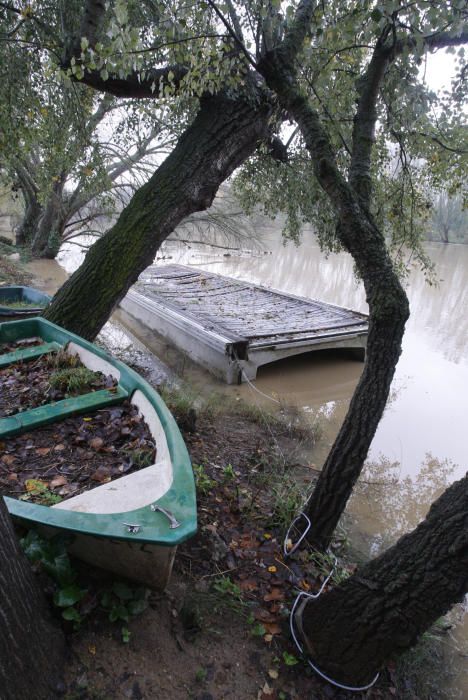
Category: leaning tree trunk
[381,611]
[31,647]
[388,312]
[388,306]
[223,134]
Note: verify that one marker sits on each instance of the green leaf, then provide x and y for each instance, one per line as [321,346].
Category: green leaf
[289,659]
[118,612]
[258,630]
[68,596]
[136,607]
[376,14]
[72,615]
[122,591]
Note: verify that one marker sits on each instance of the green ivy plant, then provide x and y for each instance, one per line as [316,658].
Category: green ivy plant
[119,600]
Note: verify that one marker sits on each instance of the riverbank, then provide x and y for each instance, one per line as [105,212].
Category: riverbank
[221,629]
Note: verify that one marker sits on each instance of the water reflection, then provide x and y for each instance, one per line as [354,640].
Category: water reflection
[397,503]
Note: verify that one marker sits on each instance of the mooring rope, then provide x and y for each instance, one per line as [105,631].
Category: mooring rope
[314,596]
[252,386]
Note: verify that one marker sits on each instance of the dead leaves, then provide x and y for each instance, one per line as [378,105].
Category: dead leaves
[25,385]
[76,454]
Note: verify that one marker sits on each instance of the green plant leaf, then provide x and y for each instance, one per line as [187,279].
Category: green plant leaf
[72,615]
[122,591]
[69,596]
[289,659]
[136,607]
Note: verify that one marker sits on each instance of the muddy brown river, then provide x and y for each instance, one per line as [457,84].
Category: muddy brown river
[421,443]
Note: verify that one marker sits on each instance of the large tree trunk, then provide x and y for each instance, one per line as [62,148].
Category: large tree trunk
[31,648]
[30,222]
[48,235]
[381,611]
[222,136]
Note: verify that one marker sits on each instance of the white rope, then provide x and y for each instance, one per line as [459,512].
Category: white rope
[314,596]
[252,386]
[287,552]
[352,689]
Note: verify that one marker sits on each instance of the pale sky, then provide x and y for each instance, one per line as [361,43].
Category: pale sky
[439,69]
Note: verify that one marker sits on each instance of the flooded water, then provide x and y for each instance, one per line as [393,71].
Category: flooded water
[420,445]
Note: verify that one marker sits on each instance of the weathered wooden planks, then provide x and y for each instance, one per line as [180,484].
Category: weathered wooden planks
[244,321]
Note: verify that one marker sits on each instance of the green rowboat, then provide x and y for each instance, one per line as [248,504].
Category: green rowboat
[130,526]
[18,302]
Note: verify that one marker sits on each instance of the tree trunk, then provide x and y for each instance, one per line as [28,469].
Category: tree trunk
[381,611]
[31,647]
[388,307]
[444,233]
[30,222]
[223,134]
[48,235]
[388,312]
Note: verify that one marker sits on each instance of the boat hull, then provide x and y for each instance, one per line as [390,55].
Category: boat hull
[123,526]
[28,295]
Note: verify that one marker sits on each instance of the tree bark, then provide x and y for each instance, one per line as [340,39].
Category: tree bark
[48,234]
[223,134]
[381,611]
[31,647]
[29,224]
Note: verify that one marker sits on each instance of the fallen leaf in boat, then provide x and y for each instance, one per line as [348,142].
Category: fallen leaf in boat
[96,443]
[92,649]
[57,481]
[273,673]
[59,448]
[272,569]
[272,628]
[13,477]
[268,638]
[43,451]
[8,459]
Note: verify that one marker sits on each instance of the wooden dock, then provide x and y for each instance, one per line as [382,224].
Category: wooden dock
[233,327]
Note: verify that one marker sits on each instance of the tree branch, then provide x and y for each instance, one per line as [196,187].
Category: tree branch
[133,86]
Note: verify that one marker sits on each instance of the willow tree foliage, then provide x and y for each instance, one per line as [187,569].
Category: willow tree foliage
[325,107]
[72,155]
